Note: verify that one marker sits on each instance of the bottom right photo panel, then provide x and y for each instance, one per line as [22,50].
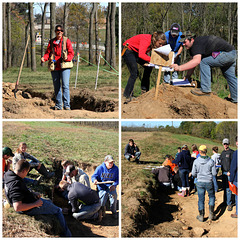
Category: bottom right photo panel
[179,179]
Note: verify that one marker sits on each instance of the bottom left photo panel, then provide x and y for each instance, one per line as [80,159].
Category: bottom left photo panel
[60,179]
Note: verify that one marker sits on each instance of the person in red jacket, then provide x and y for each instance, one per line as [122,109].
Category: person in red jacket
[138,47]
[60,74]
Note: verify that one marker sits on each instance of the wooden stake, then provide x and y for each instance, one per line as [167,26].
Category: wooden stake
[158,81]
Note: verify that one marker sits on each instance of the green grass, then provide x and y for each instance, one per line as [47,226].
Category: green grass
[48,140]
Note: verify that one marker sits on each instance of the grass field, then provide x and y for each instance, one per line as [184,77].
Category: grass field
[49,141]
[138,182]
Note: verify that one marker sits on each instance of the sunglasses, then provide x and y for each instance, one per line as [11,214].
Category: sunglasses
[225,144]
[59,30]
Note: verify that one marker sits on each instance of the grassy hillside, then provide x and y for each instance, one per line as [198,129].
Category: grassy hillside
[138,184]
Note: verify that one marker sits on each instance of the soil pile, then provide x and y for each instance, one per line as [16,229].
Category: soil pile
[84,104]
[178,103]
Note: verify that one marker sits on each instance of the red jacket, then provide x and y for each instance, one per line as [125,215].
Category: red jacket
[140,44]
[58,52]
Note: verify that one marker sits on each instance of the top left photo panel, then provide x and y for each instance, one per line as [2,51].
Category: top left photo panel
[60,60]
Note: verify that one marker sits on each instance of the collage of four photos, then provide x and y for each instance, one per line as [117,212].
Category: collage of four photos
[119,119]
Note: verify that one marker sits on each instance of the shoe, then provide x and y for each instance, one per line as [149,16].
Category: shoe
[200,217]
[234,215]
[198,92]
[143,91]
[230,100]
[67,108]
[103,211]
[57,108]
[100,216]
[229,208]
[212,215]
[115,215]
[39,179]
[182,194]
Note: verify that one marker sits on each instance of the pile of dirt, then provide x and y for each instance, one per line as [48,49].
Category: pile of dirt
[33,104]
[178,103]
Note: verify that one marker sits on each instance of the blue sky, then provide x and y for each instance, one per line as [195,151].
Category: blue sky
[151,123]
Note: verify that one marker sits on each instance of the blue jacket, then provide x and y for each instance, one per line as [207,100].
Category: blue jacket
[174,42]
[234,167]
[102,174]
[184,160]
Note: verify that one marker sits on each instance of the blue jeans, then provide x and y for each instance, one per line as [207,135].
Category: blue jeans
[167,75]
[137,155]
[131,58]
[61,93]
[183,173]
[104,195]
[202,187]
[29,181]
[236,198]
[227,62]
[215,184]
[49,208]
[88,211]
[227,196]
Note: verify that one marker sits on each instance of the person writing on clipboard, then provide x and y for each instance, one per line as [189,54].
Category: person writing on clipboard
[106,177]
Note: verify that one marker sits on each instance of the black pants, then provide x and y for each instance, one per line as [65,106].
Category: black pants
[131,58]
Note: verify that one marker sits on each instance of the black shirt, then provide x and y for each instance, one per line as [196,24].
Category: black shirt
[131,149]
[226,158]
[81,193]
[16,190]
[205,45]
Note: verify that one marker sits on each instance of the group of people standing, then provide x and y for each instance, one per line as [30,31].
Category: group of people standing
[205,51]
[85,203]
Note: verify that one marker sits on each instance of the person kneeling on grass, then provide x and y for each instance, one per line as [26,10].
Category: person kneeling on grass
[132,151]
[26,202]
[204,169]
[84,201]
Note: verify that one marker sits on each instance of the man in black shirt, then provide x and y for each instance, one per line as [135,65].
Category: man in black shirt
[132,151]
[209,51]
[85,202]
[27,202]
[226,158]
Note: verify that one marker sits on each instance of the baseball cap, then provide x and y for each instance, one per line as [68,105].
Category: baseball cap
[109,158]
[7,151]
[202,148]
[185,35]
[175,29]
[226,140]
[70,168]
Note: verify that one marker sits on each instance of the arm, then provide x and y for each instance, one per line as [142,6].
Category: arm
[178,53]
[116,178]
[233,167]
[19,206]
[28,156]
[47,53]
[73,202]
[95,176]
[194,170]
[69,50]
[143,48]
[189,65]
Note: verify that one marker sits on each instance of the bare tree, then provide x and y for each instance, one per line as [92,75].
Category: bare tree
[113,37]
[92,14]
[65,17]
[43,30]
[96,36]
[52,19]
[108,39]
[9,55]
[4,36]
[32,35]
[27,28]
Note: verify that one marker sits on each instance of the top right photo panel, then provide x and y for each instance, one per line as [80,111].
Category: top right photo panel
[179,60]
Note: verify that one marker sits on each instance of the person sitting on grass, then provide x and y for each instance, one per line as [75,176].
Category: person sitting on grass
[132,151]
[6,154]
[84,201]
[21,154]
[204,169]
[27,202]
[106,178]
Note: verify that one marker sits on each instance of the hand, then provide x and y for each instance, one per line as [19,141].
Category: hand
[176,67]
[228,173]
[112,188]
[95,182]
[133,156]
[38,203]
[37,195]
[43,60]
[135,144]
[190,174]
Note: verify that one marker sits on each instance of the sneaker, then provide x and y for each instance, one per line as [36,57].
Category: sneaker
[198,92]
[67,108]
[230,99]
[229,208]
[234,215]
[57,108]
[143,91]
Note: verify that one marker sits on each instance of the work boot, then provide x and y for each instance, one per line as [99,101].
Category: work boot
[100,216]
[234,215]
[200,217]
[42,170]
[182,194]
[229,208]
[198,92]
[212,215]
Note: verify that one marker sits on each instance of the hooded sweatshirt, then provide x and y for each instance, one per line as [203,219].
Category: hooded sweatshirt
[204,169]
[102,174]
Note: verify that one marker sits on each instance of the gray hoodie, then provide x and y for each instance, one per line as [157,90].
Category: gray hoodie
[204,169]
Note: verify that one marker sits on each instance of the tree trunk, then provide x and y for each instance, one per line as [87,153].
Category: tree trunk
[113,37]
[4,34]
[32,37]
[65,17]
[92,14]
[28,48]
[43,30]
[107,40]
[9,55]
[229,23]
[52,19]
[96,36]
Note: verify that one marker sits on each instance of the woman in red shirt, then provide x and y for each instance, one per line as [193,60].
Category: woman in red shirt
[58,72]
[138,47]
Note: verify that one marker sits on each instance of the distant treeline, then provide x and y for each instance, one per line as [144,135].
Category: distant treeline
[212,130]
[98,124]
